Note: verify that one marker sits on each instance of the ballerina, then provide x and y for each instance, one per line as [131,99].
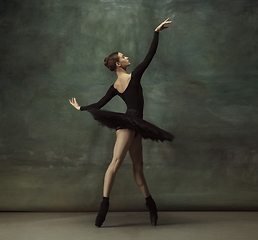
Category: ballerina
[130,126]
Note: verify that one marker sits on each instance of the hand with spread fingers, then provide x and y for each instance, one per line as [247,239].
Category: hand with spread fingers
[162,25]
[74,103]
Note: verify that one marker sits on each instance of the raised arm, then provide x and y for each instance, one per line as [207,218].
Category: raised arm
[139,70]
[103,101]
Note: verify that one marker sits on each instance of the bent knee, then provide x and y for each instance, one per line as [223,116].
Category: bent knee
[116,162]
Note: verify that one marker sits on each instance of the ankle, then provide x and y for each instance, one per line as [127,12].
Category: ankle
[149,199]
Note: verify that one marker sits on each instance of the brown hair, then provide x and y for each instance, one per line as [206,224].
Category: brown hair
[110,61]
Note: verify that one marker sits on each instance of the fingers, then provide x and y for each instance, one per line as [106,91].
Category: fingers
[73,101]
[166,21]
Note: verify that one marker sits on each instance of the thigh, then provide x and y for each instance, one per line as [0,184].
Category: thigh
[124,138]
[135,150]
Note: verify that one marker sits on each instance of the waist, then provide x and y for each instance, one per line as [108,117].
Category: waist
[134,112]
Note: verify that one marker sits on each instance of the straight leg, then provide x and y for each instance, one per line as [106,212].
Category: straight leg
[135,152]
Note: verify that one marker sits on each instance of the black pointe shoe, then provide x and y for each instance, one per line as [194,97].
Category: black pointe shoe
[153,213]
[102,214]
[99,220]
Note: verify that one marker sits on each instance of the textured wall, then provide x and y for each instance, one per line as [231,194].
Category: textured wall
[201,85]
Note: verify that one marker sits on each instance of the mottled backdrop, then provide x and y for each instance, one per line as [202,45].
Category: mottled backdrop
[201,85]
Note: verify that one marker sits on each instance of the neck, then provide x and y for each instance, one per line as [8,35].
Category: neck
[120,71]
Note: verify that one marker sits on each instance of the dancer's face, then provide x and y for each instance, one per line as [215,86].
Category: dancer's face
[123,60]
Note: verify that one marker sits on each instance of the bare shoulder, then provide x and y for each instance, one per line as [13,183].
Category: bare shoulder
[122,82]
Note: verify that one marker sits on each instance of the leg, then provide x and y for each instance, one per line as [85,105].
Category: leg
[123,142]
[135,152]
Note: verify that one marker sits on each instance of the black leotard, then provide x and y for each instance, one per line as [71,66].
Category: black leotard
[133,95]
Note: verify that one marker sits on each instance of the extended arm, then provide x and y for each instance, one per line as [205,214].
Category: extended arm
[108,96]
[139,70]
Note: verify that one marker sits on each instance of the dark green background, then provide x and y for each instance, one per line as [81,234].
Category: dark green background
[201,85]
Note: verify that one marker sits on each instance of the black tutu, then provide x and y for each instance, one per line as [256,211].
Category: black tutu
[130,120]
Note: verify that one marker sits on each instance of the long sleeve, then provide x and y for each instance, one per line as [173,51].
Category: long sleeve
[103,101]
[139,70]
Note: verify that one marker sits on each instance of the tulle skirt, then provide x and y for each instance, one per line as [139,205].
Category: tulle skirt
[132,120]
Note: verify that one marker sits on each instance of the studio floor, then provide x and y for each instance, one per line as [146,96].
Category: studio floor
[129,225]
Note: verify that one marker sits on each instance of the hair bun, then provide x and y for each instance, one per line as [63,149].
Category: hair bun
[106,61]
[110,61]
